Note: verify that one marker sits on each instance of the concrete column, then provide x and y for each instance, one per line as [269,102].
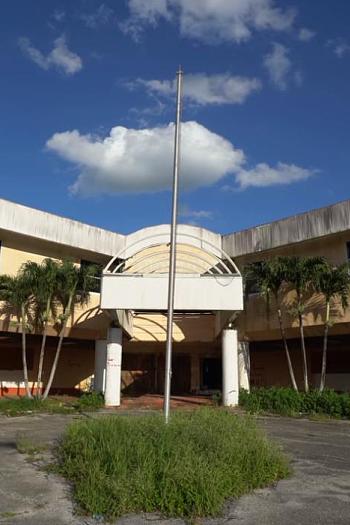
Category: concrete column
[230,386]
[244,365]
[113,367]
[100,365]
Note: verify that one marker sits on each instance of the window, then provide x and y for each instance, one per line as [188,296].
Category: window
[96,284]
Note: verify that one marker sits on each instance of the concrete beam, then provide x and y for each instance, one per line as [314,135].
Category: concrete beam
[38,224]
[298,228]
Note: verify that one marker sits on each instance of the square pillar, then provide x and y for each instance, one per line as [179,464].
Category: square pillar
[230,383]
[113,367]
[100,365]
[244,365]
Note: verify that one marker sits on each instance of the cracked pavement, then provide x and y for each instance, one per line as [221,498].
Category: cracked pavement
[318,492]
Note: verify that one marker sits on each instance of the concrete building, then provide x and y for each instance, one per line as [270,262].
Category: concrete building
[117,342]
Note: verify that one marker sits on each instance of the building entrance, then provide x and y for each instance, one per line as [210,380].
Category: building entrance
[211,374]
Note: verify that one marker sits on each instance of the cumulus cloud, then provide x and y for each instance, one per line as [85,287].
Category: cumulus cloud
[140,160]
[278,65]
[210,21]
[263,175]
[59,57]
[205,89]
[305,34]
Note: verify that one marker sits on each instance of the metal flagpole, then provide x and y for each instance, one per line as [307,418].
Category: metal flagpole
[172,261]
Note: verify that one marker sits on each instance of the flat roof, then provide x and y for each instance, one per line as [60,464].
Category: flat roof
[23,220]
[302,227]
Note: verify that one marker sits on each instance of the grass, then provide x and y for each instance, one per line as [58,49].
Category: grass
[188,468]
[7,515]
[17,406]
[288,402]
[25,445]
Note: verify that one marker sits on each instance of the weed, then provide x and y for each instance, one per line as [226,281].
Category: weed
[17,406]
[25,445]
[187,468]
[90,401]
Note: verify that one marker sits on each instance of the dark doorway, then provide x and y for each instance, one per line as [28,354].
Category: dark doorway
[211,374]
[137,374]
[181,374]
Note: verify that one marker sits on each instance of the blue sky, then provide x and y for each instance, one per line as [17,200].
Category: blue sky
[87,100]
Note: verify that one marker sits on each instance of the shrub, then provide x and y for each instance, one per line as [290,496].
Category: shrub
[90,401]
[286,401]
[187,468]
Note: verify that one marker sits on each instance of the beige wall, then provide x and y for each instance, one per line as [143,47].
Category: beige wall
[87,322]
[255,323]
[75,367]
[152,327]
[90,322]
[333,247]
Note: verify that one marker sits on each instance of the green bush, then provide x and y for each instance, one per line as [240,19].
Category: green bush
[90,401]
[187,468]
[286,401]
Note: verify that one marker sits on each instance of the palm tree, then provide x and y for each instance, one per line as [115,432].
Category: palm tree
[268,278]
[332,282]
[300,273]
[44,279]
[16,292]
[73,285]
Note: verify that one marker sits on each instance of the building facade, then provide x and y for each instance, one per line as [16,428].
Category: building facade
[117,342]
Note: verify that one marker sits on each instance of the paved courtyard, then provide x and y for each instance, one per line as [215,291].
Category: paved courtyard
[317,493]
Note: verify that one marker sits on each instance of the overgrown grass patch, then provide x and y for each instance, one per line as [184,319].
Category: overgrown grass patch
[90,401]
[288,402]
[187,468]
[17,406]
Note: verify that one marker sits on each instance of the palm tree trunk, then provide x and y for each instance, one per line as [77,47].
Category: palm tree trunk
[42,350]
[59,346]
[325,344]
[303,351]
[41,362]
[285,344]
[24,352]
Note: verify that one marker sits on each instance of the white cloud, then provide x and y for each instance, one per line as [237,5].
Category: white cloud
[263,175]
[101,16]
[205,89]
[60,56]
[187,212]
[278,65]
[305,34]
[140,160]
[209,20]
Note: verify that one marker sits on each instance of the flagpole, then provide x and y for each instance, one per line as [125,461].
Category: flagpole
[172,261]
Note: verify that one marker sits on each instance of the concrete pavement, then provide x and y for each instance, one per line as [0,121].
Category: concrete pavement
[317,493]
